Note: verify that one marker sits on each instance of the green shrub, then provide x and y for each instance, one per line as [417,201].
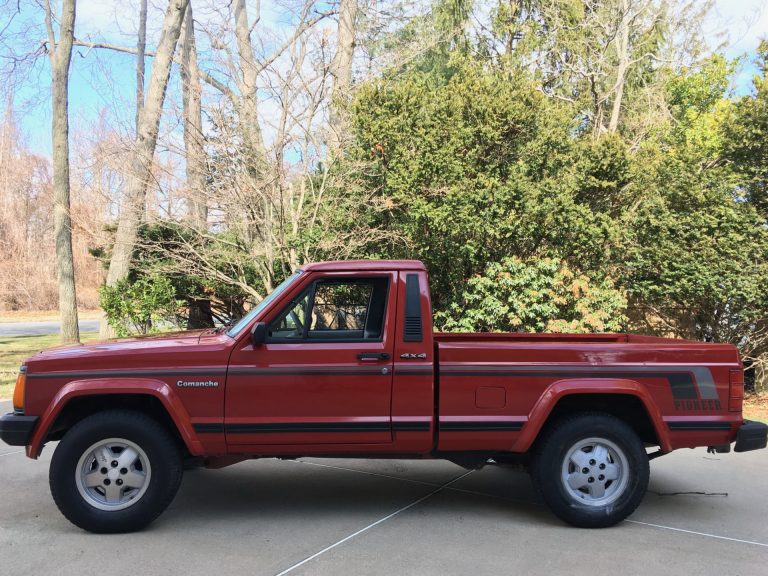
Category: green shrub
[537,295]
[141,306]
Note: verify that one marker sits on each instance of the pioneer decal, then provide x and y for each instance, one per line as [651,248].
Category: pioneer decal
[697,405]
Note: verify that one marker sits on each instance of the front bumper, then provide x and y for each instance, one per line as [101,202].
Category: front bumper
[16,429]
[751,436]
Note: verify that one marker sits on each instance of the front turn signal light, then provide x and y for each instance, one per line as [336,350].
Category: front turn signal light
[18,392]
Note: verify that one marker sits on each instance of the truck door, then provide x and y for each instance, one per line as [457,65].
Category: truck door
[324,375]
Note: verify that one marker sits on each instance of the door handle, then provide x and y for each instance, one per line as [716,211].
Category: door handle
[373,356]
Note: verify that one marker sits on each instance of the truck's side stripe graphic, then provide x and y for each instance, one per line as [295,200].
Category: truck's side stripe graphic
[483,426]
[698,425]
[405,426]
[278,428]
[235,370]
[398,426]
[208,428]
[683,380]
[138,372]
[410,426]
[309,371]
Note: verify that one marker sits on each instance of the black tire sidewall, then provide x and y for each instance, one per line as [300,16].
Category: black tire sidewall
[164,460]
[554,449]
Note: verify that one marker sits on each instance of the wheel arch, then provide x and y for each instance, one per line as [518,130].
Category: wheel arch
[625,399]
[82,398]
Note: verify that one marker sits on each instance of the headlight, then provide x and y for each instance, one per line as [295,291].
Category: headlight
[18,392]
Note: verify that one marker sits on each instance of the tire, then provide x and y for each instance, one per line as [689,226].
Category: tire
[591,469]
[115,471]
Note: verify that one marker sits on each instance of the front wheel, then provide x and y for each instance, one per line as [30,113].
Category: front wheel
[591,470]
[115,471]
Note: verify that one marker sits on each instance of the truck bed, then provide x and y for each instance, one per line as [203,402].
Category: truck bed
[501,381]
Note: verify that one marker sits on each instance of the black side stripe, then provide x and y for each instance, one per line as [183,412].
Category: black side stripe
[682,384]
[698,425]
[331,371]
[235,370]
[410,426]
[481,426]
[206,428]
[280,428]
[138,373]
[413,371]
[218,428]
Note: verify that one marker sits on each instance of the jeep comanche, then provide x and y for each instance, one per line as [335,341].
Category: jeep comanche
[341,360]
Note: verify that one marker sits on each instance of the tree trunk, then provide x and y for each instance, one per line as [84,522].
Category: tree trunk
[249,108]
[142,154]
[193,126]
[141,46]
[511,26]
[61,56]
[622,52]
[341,69]
[761,374]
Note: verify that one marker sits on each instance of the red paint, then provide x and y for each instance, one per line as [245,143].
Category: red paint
[448,392]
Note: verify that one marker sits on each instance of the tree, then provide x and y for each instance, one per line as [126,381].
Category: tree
[193,125]
[745,137]
[474,168]
[141,155]
[247,85]
[694,262]
[60,53]
[341,69]
[141,47]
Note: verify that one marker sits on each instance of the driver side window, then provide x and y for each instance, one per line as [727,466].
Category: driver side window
[291,321]
[341,309]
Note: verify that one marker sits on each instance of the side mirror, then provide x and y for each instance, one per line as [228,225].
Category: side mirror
[259,334]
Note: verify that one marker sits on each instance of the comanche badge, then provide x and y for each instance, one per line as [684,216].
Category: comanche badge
[197,384]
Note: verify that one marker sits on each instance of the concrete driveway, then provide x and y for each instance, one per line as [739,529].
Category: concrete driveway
[704,514]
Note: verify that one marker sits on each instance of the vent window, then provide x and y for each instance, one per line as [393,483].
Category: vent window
[413,324]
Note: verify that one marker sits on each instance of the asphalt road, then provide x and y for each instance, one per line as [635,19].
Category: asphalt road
[42,328]
[704,514]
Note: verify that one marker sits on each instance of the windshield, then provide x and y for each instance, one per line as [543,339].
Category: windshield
[245,320]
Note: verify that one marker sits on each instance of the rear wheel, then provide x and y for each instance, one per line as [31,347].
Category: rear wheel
[115,471]
[591,470]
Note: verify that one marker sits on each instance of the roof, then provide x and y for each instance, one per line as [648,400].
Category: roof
[365,265]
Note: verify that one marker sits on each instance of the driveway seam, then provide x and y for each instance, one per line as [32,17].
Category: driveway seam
[372,525]
[422,482]
[505,498]
[752,542]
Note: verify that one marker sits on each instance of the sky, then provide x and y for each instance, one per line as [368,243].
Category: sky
[742,23]
[98,84]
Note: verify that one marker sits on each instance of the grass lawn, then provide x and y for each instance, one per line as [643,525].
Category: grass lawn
[15,349]
[756,408]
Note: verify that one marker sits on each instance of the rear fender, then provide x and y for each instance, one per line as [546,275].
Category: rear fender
[562,388]
[101,387]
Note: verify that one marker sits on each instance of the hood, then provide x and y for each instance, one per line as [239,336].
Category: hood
[121,346]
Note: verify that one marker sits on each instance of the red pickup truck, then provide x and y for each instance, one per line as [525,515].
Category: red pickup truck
[341,360]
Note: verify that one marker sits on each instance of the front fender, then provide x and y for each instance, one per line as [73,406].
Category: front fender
[100,387]
[561,388]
